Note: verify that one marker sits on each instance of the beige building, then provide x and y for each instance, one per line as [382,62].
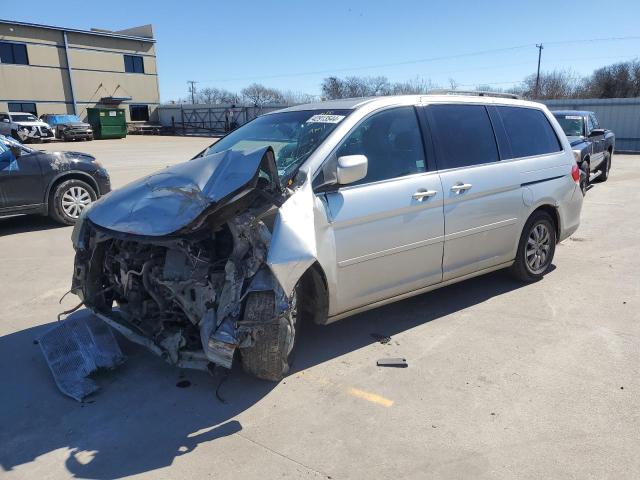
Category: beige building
[45,69]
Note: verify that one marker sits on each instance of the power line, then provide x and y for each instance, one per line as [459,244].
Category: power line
[417,61]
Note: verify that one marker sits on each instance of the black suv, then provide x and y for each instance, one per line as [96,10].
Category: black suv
[68,127]
[58,184]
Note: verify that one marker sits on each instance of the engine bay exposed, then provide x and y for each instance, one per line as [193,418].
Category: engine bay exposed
[183,296]
[197,295]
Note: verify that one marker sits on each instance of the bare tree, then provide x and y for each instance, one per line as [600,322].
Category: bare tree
[217,96]
[556,84]
[619,80]
[260,95]
[332,87]
[296,98]
[415,86]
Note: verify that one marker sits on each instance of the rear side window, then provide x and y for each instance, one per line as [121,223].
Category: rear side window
[529,132]
[463,135]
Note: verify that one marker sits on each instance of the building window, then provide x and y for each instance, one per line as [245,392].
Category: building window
[139,113]
[133,64]
[23,107]
[15,53]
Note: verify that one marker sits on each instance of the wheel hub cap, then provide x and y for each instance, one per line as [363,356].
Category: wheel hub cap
[75,200]
[538,246]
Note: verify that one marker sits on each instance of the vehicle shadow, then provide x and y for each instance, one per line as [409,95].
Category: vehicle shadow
[140,421]
[26,223]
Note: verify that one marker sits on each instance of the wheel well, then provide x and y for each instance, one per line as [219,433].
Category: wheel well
[71,176]
[553,213]
[315,295]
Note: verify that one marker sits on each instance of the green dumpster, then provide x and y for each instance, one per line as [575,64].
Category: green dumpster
[107,122]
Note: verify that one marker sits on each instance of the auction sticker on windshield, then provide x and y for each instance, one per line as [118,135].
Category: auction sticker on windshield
[573,117]
[324,118]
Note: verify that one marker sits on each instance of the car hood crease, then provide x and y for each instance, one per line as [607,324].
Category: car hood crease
[166,201]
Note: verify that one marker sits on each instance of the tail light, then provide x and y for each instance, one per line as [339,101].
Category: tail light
[575,173]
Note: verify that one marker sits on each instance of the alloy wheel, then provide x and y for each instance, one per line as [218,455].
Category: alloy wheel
[538,248]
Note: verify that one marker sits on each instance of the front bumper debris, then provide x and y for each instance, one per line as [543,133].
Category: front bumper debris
[76,348]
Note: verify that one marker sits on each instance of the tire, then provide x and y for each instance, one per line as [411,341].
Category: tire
[272,353]
[68,199]
[604,169]
[539,232]
[584,182]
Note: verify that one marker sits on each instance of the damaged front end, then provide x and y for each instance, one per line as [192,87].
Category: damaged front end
[178,262]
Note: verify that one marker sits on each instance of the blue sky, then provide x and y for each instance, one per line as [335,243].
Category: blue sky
[281,43]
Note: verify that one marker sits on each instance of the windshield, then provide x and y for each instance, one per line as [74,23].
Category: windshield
[8,141]
[293,136]
[573,125]
[56,119]
[23,117]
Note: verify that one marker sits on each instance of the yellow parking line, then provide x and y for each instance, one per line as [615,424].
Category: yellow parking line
[370,397]
[354,392]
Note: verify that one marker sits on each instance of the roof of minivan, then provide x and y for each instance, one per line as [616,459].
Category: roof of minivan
[571,112]
[355,103]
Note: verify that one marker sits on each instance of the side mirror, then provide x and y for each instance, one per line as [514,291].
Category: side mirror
[16,150]
[6,120]
[596,132]
[351,168]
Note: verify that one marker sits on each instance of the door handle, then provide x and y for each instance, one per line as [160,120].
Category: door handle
[461,187]
[422,194]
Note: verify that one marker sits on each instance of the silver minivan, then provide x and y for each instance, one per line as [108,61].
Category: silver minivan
[322,211]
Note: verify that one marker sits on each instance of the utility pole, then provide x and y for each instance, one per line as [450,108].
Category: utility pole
[192,89]
[539,47]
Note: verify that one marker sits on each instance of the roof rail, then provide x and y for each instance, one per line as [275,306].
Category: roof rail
[478,93]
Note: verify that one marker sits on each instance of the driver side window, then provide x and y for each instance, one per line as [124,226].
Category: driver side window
[391,141]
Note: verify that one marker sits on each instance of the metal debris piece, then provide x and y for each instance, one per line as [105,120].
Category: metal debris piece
[393,362]
[75,349]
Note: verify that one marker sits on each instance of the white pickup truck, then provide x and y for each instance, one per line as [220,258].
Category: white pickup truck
[24,127]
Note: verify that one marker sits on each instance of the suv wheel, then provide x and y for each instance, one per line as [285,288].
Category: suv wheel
[69,199]
[536,248]
[272,353]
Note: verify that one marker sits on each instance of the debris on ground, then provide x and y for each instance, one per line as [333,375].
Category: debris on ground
[183,384]
[393,362]
[383,339]
[76,348]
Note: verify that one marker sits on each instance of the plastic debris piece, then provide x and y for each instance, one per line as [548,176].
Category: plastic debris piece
[393,362]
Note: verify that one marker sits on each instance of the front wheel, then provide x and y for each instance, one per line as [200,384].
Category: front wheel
[272,352]
[584,177]
[605,166]
[536,248]
[69,199]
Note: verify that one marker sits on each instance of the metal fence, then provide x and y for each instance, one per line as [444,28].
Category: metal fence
[622,115]
[188,119]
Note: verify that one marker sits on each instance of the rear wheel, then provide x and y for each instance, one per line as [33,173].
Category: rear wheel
[69,199]
[605,166]
[536,248]
[271,355]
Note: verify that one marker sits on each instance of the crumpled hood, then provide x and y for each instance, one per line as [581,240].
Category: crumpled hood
[574,140]
[168,200]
